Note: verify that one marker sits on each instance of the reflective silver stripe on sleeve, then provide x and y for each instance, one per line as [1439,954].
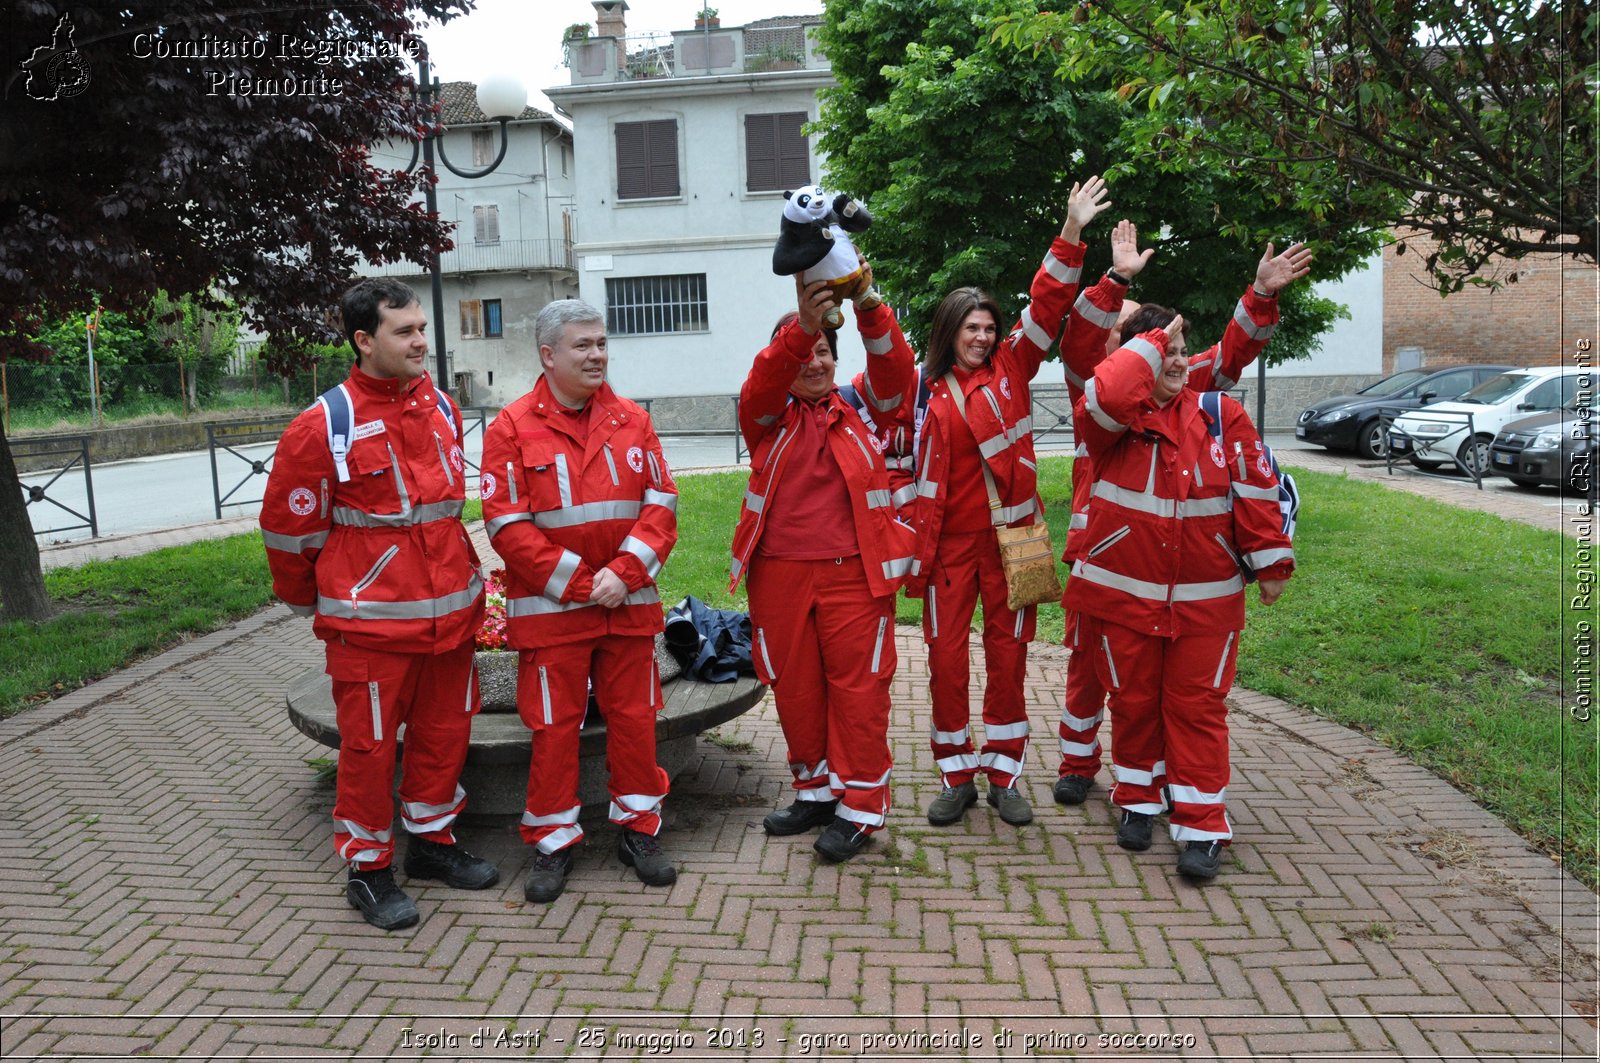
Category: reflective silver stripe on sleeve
[1058,269]
[664,499]
[754,502]
[562,575]
[494,526]
[511,481]
[881,405]
[642,550]
[1260,559]
[424,609]
[1073,378]
[904,495]
[1201,592]
[1093,314]
[294,544]
[1146,350]
[563,481]
[538,605]
[994,445]
[1079,520]
[569,516]
[1081,450]
[1264,494]
[428,511]
[928,488]
[1091,396]
[878,498]
[1241,317]
[1036,335]
[1222,383]
[301,610]
[878,344]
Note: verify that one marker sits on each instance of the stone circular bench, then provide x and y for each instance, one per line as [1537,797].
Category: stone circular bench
[496,773]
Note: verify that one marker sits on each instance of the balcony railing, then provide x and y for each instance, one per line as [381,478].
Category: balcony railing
[694,53]
[469,257]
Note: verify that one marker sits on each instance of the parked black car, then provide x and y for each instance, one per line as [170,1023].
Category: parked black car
[1549,449]
[1350,422]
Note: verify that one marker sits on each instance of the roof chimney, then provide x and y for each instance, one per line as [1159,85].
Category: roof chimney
[610,20]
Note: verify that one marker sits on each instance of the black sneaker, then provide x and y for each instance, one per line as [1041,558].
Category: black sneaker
[952,803]
[547,875]
[841,840]
[1072,789]
[643,853]
[451,863]
[1134,831]
[1012,806]
[1201,860]
[382,903]
[799,817]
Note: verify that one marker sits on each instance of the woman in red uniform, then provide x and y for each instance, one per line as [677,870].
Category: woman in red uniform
[1157,596]
[978,431]
[825,555]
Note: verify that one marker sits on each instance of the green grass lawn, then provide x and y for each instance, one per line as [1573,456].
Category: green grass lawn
[1433,629]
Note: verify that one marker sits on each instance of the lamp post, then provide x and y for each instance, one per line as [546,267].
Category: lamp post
[501,98]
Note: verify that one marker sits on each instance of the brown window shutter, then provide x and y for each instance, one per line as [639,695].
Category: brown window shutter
[761,152]
[631,159]
[794,154]
[663,145]
[469,319]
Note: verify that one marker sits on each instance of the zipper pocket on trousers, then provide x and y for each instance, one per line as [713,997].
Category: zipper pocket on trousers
[544,694]
[766,659]
[1109,541]
[1216,681]
[877,647]
[372,576]
[1111,664]
[444,463]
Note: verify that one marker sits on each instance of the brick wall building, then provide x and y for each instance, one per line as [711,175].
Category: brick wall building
[1535,321]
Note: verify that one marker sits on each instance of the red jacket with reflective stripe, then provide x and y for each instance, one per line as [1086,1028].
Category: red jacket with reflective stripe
[1219,368]
[1172,509]
[559,510]
[999,409]
[766,416]
[381,559]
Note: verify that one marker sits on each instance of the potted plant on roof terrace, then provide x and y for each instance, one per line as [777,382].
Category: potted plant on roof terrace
[706,18]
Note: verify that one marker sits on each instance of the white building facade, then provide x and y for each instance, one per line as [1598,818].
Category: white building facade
[513,249]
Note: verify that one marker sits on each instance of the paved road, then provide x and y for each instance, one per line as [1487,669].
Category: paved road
[175,490]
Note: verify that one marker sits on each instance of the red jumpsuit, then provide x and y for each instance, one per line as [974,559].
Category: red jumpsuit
[382,563]
[824,616]
[1255,318]
[563,497]
[954,567]
[1156,598]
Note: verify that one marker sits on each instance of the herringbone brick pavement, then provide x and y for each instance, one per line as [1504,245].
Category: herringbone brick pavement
[168,890]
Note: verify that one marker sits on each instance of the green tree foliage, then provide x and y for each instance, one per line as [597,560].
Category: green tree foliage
[966,148]
[1473,121]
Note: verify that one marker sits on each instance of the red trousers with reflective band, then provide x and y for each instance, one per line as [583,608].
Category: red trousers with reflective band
[1170,725]
[1083,708]
[965,566]
[552,694]
[435,695]
[826,647]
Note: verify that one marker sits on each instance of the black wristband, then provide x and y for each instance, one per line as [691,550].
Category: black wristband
[1119,278]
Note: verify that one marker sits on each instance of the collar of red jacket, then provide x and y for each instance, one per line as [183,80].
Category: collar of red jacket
[367,384]
[604,400]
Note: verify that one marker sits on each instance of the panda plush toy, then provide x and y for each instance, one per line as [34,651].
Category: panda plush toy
[814,241]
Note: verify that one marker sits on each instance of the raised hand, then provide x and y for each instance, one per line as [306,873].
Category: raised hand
[1126,258]
[1084,202]
[812,301]
[1273,274]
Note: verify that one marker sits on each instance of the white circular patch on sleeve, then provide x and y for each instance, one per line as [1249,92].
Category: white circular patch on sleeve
[486,485]
[302,502]
[636,459]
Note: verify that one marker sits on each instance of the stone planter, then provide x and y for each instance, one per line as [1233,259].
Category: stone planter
[497,679]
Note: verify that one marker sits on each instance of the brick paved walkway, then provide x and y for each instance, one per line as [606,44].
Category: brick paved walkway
[168,890]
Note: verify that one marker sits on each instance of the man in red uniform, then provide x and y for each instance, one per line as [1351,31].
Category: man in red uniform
[1254,320]
[362,524]
[1157,596]
[580,504]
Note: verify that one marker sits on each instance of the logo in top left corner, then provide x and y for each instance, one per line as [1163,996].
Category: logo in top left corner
[57,71]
